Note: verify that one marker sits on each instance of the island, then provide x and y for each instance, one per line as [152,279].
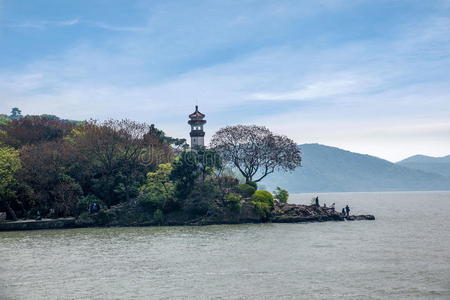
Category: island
[61,174]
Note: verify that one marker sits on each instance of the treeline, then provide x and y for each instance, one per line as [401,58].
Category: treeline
[58,168]
[55,168]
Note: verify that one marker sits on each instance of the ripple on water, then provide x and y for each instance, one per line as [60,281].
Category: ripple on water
[403,254]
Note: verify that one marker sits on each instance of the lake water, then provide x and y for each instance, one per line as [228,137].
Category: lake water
[404,254]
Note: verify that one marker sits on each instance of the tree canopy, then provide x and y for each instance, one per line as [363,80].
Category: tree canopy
[255,151]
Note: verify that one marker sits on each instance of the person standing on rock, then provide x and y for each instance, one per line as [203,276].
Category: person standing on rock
[347,210]
[317,201]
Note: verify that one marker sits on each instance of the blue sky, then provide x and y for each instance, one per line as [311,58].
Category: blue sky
[367,76]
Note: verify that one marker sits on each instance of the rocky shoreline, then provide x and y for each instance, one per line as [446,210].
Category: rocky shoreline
[126,216]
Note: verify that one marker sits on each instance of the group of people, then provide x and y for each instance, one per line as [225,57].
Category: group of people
[345,210]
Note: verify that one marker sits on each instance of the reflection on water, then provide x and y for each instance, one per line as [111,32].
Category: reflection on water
[403,254]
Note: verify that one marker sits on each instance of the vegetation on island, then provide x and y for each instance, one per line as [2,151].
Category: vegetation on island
[54,168]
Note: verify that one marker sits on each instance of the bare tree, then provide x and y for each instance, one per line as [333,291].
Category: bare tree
[255,150]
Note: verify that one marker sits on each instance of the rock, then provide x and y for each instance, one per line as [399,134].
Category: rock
[296,213]
[360,218]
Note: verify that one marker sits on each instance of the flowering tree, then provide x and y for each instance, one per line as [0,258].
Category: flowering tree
[255,151]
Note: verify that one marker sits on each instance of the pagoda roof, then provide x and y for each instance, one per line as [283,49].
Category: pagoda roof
[196,113]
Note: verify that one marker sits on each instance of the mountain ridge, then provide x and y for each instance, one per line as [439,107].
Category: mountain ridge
[425,159]
[331,169]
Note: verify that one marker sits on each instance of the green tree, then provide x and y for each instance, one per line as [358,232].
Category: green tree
[160,180]
[9,165]
[158,191]
[281,195]
[4,120]
[193,165]
[245,190]
[208,161]
[185,171]
[15,114]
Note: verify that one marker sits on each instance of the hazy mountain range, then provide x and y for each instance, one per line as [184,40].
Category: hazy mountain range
[330,169]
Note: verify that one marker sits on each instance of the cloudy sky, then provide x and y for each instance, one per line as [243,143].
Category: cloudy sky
[367,76]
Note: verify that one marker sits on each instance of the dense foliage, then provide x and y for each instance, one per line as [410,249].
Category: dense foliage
[63,165]
[59,168]
[9,165]
[263,202]
[245,190]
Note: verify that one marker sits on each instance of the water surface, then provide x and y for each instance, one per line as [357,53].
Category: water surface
[403,254]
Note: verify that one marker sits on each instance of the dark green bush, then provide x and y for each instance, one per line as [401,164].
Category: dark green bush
[85,219]
[253,184]
[203,197]
[151,201]
[158,216]
[233,202]
[245,190]
[103,217]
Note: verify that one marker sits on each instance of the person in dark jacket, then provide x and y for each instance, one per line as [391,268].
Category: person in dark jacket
[347,210]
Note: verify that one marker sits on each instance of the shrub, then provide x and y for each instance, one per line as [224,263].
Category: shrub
[245,190]
[253,184]
[151,201]
[263,196]
[233,202]
[103,217]
[203,197]
[281,195]
[262,209]
[84,219]
[158,216]
[263,202]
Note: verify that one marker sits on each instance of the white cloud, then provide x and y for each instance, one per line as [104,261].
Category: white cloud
[45,24]
[317,89]
[376,97]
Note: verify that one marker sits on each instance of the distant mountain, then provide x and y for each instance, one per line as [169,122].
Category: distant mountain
[438,165]
[426,159]
[330,169]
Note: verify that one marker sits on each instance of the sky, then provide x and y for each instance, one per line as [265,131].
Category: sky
[366,76]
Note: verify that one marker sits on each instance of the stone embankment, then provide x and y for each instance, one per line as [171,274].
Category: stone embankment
[126,216]
[38,224]
[296,213]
